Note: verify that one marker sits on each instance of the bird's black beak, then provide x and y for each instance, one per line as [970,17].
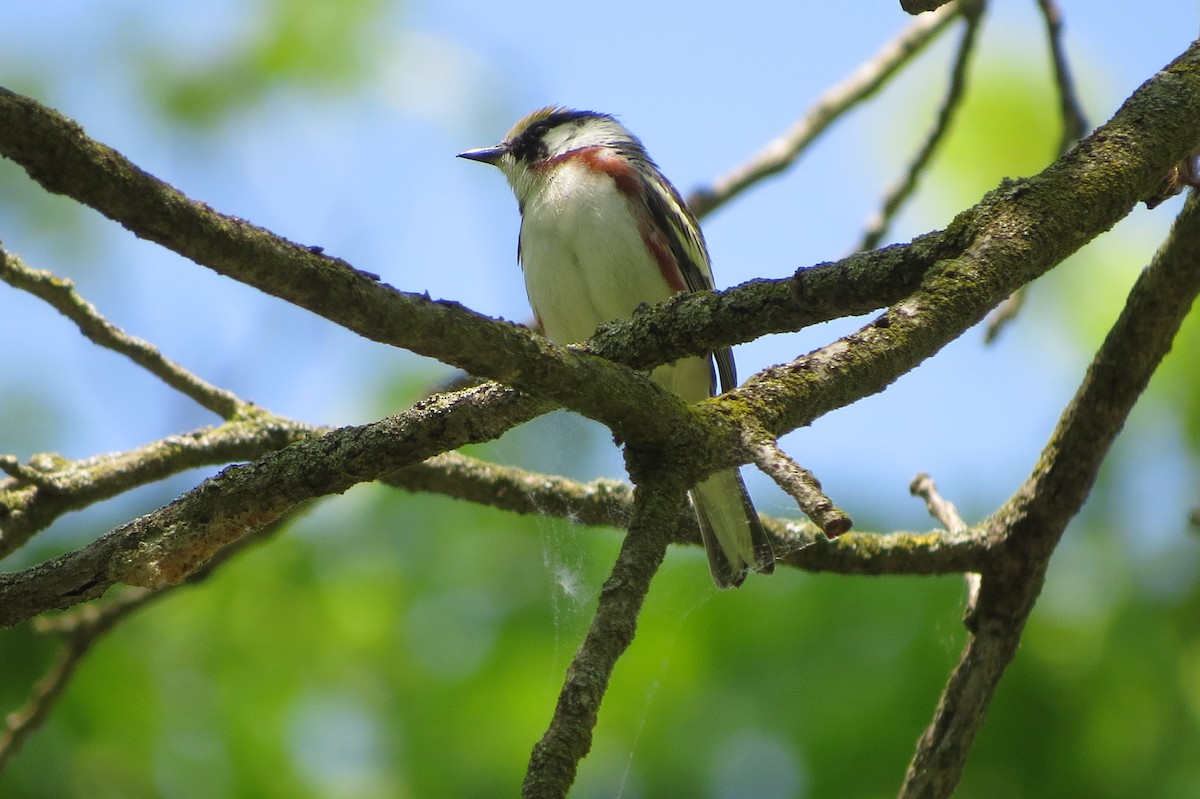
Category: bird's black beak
[488,155]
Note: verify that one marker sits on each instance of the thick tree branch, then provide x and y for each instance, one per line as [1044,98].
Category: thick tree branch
[1014,235]
[1025,532]
[165,546]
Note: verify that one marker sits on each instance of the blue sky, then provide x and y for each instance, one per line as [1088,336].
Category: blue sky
[370,176]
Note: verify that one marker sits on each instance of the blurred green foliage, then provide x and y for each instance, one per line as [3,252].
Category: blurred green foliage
[390,645]
[314,45]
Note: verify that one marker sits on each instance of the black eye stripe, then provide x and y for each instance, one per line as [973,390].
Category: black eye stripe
[530,146]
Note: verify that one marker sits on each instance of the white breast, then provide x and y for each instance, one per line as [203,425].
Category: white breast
[583,256]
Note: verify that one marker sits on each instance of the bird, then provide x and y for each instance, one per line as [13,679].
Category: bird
[603,233]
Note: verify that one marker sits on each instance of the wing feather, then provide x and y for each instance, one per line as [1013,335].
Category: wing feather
[686,243]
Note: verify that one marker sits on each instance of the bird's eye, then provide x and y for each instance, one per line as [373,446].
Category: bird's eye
[530,146]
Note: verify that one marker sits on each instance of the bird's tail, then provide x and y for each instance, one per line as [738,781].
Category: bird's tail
[733,536]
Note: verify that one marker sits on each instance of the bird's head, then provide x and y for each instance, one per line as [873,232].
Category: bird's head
[547,136]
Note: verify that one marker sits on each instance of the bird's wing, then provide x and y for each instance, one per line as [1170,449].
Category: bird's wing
[686,242]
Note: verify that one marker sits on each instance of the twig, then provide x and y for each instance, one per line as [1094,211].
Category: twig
[555,758]
[1074,122]
[1027,529]
[944,511]
[972,12]
[21,723]
[781,153]
[80,632]
[62,296]
[599,502]
[50,485]
[28,474]
[797,481]
[1004,314]
[939,508]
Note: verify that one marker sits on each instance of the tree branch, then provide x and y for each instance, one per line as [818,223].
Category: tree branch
[51,485]
[972,12]
[1014,235]
[1024,533]
[1074,121]
[784,151]
[555,758]
[610,503]
[797,481]
[55,152]
[61,295]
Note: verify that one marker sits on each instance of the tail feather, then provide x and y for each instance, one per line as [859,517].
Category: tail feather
[733,536]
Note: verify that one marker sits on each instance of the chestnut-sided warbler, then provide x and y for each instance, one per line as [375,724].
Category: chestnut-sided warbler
[603,232]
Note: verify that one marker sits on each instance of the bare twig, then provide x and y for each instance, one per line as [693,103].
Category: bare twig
[797,481]
[944,511]
[1004,314]
[28,474]
[972,12]
[1027,529]
[599,502]
[49,485]
[1074,122]
[63,297]
[939,508]
[781,153]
